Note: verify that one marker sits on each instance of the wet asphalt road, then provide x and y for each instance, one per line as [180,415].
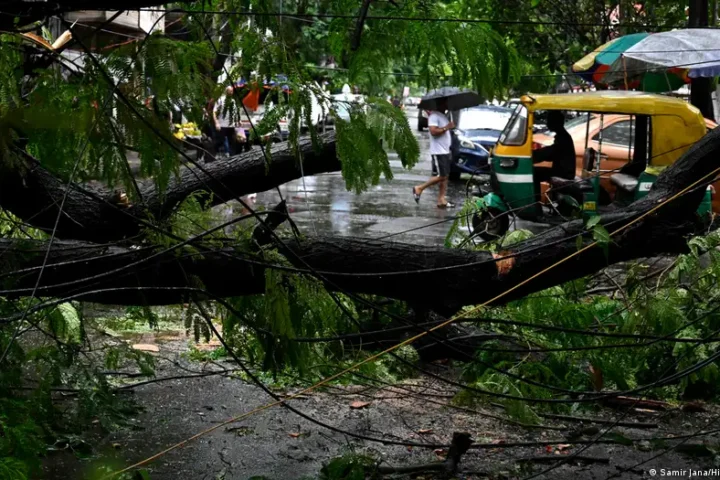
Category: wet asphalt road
[322,205]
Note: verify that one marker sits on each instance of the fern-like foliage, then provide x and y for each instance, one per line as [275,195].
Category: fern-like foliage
[291,307]
[81,120]
[471,54]
[683,303]
[363,159]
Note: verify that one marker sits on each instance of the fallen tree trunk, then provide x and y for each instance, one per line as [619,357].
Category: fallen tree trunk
[456,342]
[429,278]
[92,213]
[437,279]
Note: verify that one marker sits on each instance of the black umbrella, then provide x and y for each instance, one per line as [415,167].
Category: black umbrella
[457,99]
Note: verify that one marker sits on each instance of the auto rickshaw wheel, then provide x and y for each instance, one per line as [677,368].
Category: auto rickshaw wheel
[490,224]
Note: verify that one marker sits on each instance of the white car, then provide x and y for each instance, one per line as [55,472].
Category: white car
[343,101]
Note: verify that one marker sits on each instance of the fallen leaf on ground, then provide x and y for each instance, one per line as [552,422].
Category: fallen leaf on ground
[425,431]
[358,404]
[294,434]
[116,445]
[440,452]
[548,448]
[563,446]
[146,347]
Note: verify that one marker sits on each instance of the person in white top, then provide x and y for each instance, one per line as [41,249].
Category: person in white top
[440,142]
[228,134]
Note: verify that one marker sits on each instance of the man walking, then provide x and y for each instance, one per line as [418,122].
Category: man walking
[440,143]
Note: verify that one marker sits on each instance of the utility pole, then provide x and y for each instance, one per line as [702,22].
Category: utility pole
[701,88]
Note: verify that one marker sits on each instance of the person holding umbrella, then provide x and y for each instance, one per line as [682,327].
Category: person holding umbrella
[440,142]
[438,102]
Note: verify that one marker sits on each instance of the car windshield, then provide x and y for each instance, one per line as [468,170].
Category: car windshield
[516,131]
[484,119]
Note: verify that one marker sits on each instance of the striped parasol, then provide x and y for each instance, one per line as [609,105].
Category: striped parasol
[595,65]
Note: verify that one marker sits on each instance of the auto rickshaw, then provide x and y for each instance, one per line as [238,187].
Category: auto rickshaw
[656,131]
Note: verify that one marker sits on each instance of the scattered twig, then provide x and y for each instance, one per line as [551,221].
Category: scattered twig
[461,442]
[619,289]
[598,290]
[621,401]
[175,377]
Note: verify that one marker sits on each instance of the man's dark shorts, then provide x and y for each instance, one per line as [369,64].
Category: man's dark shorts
[442,162]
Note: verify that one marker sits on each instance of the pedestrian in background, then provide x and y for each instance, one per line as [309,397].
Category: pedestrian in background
[229,137]
[440,145]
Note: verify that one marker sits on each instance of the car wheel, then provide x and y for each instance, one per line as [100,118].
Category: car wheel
[490,224]
[454,176]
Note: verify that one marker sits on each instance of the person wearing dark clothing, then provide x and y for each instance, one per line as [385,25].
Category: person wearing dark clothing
[561,153]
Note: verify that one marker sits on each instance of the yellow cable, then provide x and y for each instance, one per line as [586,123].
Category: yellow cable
[405,342]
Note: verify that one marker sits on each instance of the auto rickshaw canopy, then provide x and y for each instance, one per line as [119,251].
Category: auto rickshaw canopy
[675,123]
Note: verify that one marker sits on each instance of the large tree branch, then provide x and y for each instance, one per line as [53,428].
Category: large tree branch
[90,213]
[435,278]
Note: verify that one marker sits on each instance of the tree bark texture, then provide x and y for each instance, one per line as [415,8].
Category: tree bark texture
[429,278]
[91,214]
[436,279]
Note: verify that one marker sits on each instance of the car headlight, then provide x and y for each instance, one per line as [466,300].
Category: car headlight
[466,143]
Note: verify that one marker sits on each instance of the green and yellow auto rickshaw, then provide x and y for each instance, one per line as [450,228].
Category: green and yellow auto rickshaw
[623,140]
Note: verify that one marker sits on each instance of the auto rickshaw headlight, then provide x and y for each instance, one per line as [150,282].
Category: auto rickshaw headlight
[508,162]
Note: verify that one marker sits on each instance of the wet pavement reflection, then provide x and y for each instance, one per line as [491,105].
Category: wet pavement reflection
[322,205]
